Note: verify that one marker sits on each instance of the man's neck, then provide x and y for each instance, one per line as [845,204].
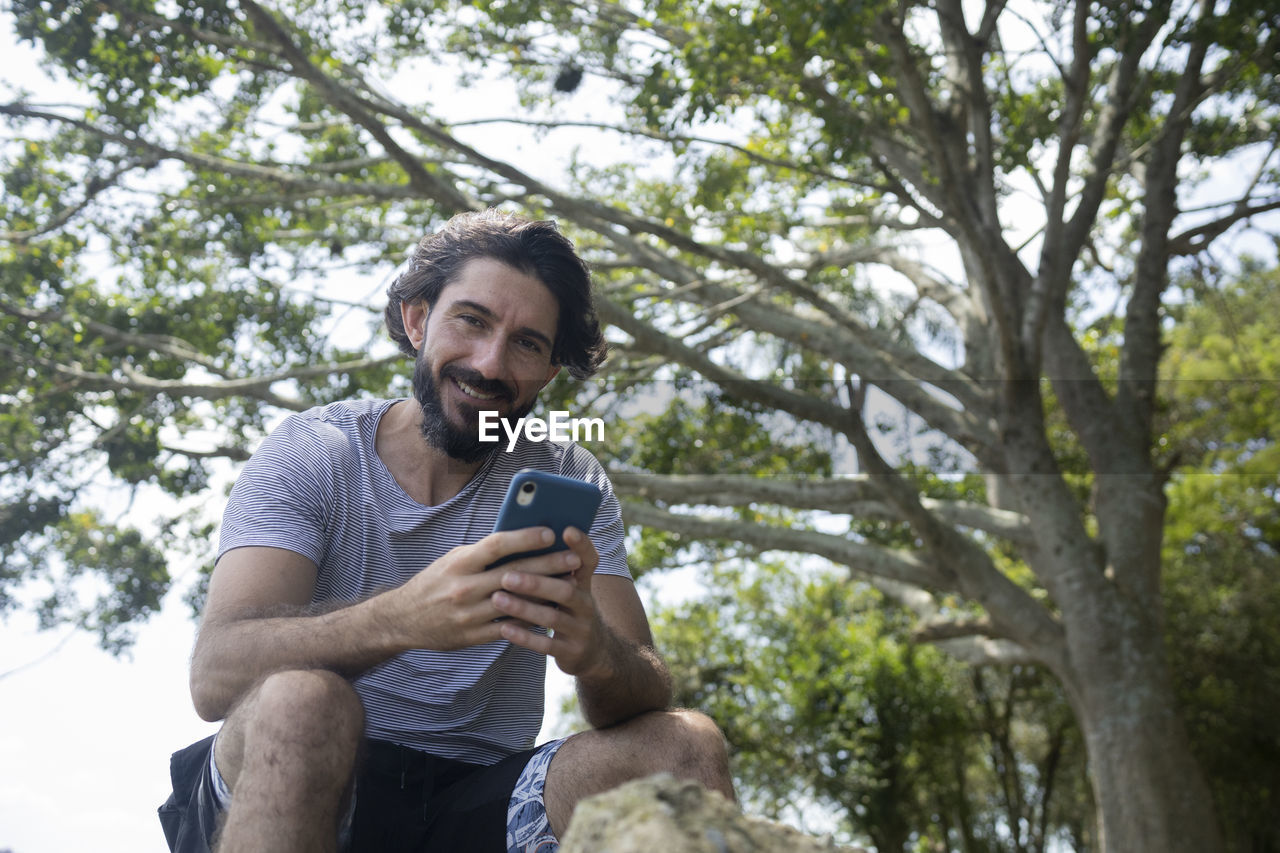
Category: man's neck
[427,474]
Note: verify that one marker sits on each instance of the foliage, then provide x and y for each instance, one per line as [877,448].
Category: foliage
[827,704]
[1222,545]
[878,226]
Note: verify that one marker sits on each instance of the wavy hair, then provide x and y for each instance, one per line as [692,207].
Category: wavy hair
[534,247]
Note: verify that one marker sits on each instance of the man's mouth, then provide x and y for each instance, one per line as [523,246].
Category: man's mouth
[482,392]
[472,391]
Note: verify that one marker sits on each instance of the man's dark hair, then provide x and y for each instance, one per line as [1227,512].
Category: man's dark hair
[535,248]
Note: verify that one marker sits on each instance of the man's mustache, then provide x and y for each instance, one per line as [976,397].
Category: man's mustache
[477,381]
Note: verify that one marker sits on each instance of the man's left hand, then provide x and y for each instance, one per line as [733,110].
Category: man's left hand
[577,636]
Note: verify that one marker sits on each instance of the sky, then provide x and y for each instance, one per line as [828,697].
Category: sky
[85,738]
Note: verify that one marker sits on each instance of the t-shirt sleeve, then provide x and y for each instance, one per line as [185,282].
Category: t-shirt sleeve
[607,531]
[280,498]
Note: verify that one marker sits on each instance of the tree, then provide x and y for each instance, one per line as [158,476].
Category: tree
[782,657]
[782,152]
[826,702]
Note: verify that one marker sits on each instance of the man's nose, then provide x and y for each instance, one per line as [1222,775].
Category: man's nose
[490,358]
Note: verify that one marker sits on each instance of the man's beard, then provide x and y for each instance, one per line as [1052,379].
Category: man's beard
[460,443]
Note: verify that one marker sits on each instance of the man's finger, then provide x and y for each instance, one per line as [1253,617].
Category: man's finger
[579,543]
[532,610]
[535,641]
[495,546]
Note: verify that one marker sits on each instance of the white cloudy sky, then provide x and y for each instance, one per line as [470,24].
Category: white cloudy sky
[85,738]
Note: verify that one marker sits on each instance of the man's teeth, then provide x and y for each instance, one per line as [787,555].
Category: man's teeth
[472,391]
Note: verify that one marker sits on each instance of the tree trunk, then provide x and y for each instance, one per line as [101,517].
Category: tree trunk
[1150,791]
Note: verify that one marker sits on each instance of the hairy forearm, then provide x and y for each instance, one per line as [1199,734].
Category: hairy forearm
[234,652]
[631,680]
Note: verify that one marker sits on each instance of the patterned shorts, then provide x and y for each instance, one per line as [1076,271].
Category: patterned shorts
[528,827]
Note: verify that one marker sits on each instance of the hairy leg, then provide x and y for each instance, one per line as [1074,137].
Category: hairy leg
[288,754]
[686,744]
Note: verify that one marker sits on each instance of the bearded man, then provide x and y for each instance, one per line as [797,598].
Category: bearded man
[378,688]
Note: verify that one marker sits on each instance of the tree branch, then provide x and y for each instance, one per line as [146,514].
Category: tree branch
[1085,402]
[896,565]
[424,183]
[1197,239]
[647,338]
[259,387]
[822,335]
[927,285]
[236,168]
[936,630]
[964,59]
[1119,104]
[1050,282]
[969,569]
[94,187]
[842,495]
[983,651]
[1140,355]
[167,344]
[676,138]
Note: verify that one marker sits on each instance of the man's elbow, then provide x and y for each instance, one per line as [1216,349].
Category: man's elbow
[208,703]
[209,698]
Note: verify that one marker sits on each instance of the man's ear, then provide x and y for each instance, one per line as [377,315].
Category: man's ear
[414,317]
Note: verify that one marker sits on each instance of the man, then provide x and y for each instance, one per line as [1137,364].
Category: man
[380,689]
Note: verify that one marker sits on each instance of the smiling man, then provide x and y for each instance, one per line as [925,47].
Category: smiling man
[379,689]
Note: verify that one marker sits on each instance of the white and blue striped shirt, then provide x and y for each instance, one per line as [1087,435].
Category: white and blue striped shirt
[316,486]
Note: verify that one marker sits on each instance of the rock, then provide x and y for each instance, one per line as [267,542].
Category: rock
[662,814]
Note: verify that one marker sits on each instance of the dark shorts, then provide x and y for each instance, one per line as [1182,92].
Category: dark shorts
[406,801]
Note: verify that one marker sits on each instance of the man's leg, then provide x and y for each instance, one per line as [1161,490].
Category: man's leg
[686,744]
[288,754]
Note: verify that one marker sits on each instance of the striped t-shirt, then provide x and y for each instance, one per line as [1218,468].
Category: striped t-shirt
[316,486]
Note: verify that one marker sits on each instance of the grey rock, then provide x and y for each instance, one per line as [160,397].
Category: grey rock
[662,814]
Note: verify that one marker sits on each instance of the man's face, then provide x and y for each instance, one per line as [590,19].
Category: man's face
[487,347]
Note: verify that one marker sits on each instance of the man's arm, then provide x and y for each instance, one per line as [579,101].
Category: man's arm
[255,620]
[631,677]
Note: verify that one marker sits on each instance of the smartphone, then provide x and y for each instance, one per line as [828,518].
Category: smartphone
[539,499]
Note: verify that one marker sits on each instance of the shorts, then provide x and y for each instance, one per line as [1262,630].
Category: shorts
[406,801]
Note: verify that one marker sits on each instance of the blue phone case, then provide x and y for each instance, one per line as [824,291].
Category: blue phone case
[539,499]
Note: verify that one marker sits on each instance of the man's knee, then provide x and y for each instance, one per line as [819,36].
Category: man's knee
[314,713]
[305,698]
[695,748]
[699,734]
